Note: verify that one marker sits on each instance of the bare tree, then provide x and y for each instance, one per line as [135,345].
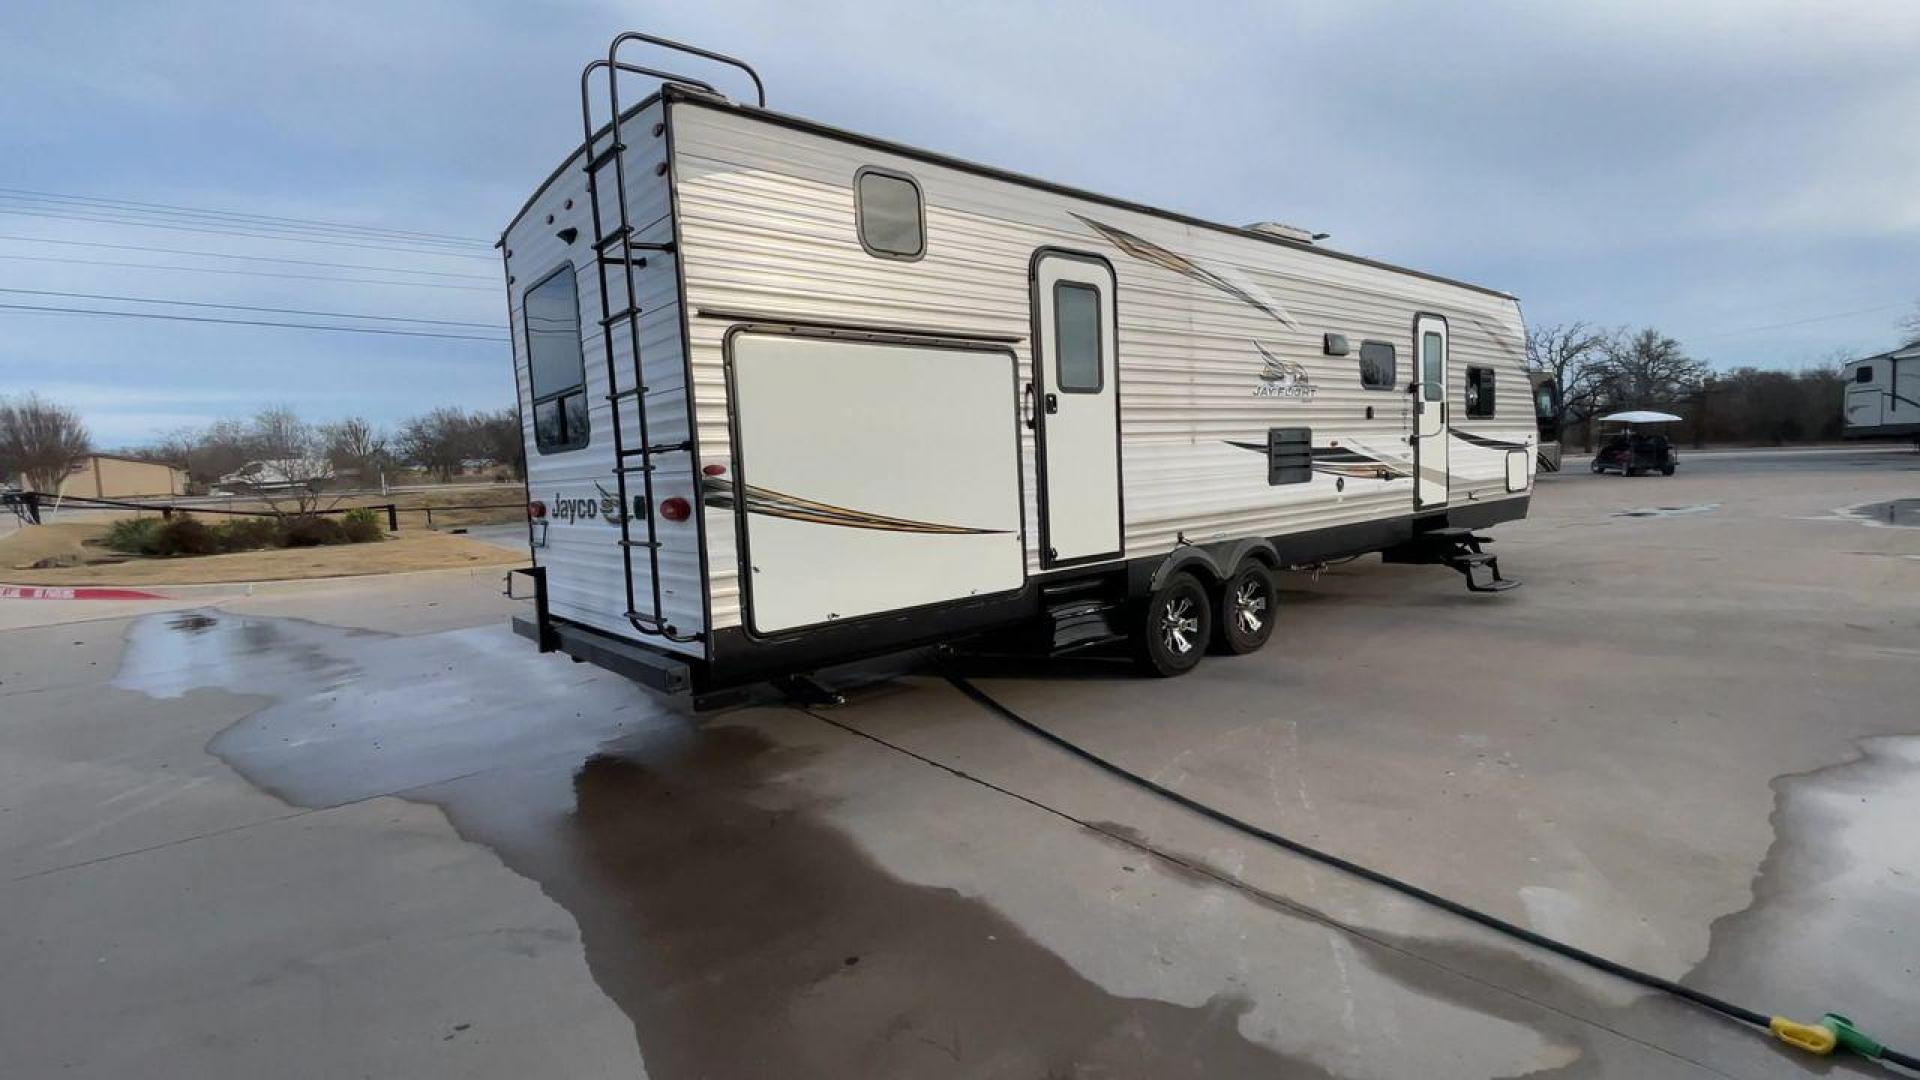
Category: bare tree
[292,468]
[354,446]
[438,441]
[1645,368]
[41,441]
[497,435]
[1571,353]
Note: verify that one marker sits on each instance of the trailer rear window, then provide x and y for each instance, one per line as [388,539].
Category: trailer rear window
[1863,374]
[890,216]
[1377,365]
[1076,332]
[556,370]
[1479,391]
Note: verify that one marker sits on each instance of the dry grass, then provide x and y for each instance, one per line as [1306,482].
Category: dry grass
[419,550]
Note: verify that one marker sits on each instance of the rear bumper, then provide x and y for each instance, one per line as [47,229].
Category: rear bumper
[636,662]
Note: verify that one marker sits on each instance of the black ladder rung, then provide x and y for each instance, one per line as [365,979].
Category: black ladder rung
[639,543]
[632,391]
[599,160]
[649,467]
[657,448]
[612,238]
[623,313]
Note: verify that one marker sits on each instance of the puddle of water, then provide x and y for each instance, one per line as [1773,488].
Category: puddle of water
[740,933]
[1904,513]
[1668,511]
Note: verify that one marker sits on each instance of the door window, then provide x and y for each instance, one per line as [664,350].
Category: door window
[1433,365]
[1076,336]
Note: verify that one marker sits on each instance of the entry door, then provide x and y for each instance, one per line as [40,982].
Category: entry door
[1076,412]
[1430,412]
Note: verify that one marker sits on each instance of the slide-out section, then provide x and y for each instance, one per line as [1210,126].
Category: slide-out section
[870,476]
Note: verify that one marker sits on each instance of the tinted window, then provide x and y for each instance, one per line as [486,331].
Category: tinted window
[1377,364]
[889,215]
[1076,336]
[1863,374]
[556,370]
[1479,391]
[1433,360]
[1543,401]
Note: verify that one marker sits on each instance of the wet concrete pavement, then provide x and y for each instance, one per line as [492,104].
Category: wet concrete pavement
[365,831]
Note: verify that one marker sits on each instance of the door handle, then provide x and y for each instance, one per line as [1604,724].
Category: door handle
[1053,404]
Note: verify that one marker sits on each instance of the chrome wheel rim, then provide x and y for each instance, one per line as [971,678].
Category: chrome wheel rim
[1180,625]
[1250,607]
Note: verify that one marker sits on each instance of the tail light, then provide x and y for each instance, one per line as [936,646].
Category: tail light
[536,510]
[676,509]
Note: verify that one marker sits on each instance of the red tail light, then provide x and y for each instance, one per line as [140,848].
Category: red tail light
[676,509]
[536,510]
[715,470]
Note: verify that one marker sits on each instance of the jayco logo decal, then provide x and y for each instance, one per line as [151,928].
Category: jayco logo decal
[1280,378]
[605,507]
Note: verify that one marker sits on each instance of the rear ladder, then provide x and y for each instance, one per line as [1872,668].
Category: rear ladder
[621,248]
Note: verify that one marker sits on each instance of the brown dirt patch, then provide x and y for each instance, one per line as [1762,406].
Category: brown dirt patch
[408,551]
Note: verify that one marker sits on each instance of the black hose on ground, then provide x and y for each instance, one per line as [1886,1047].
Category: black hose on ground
[1808,1037]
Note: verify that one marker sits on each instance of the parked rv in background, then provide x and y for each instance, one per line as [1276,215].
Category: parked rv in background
[1883,395]
[793,395]
[1546,414]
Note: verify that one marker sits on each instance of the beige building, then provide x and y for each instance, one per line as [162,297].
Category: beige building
[109,476]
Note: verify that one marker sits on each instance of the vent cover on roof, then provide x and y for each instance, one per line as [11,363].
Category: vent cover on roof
[1285,231]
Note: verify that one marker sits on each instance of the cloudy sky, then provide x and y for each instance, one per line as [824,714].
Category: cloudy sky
[1743,174]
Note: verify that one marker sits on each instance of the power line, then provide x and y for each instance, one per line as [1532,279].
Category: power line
[50,310]
[237,232]
[247,307]
[1797,322]
[243,258]
[241,215]
[246,273]
[147,216]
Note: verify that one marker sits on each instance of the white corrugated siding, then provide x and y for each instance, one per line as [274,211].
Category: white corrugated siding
[767,226]
[583,558]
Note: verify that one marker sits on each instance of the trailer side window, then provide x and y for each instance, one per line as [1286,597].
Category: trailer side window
[890,214]
[1076,335]
[556,369]
[1479,391]
[1863,373]
[1377,365]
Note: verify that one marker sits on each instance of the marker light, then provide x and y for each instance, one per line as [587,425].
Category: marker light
[676,509]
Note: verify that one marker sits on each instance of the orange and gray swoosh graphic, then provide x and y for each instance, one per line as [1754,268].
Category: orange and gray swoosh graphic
[720,494]
[1140,248]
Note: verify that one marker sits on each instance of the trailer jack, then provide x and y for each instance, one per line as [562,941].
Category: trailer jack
[808,692]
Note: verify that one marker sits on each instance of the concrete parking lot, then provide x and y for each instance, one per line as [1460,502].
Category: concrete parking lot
[359,829]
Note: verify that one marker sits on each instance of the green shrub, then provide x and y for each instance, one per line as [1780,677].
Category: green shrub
[131,535]
[183,536]
[362,526]
[248,533]
[313,531]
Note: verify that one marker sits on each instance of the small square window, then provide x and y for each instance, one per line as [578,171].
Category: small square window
[1863,373]
[891,218]
[1479,391]
[1378,368]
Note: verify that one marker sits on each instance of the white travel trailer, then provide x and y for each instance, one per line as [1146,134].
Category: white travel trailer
[793,396]
[1883,395]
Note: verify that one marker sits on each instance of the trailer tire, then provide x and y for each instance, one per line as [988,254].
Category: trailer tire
[1175,624]
[1243,616]
[1666,470]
